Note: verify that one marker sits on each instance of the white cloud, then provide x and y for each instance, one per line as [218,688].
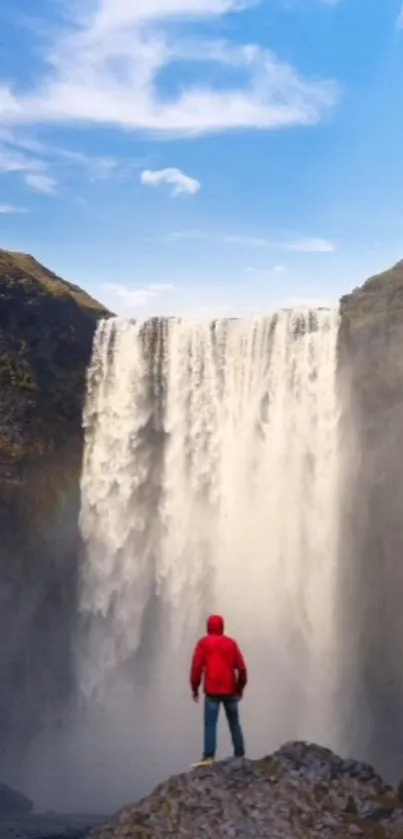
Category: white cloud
[303,245]
[10,209]
[157,287]
[120,13]
[21,154]
[118,295]
[312,246]
[41,183]
[279,269]
[121,48]
[17,159]
[182,184]
[98,168]
[14,161]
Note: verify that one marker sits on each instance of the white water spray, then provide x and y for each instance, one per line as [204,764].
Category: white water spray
[210,482]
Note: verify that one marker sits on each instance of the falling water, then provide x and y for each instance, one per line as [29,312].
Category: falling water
[210,483]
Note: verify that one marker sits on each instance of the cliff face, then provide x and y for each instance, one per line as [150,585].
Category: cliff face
[372,339]
[46,329]
[371,561]
[46,332]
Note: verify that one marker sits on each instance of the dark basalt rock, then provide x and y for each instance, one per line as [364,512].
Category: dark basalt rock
[371,556]
[293,794]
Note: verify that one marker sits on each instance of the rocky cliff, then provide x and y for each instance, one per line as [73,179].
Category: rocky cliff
[46,332]
[371,560]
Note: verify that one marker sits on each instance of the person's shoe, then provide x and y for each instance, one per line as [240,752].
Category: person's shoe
[204,763]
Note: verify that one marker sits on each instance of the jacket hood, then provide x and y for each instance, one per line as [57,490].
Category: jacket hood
[215,625]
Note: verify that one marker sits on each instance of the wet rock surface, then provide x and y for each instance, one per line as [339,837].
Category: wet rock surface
[300,792]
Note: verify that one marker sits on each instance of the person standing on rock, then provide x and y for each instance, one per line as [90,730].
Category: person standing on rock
[218,660]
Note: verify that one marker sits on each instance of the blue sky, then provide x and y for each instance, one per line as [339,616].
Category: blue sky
[203,156]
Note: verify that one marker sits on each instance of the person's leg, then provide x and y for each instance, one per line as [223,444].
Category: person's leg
[211,711]
[232,714]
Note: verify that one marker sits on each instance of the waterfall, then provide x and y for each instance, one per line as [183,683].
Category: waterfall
[210,483]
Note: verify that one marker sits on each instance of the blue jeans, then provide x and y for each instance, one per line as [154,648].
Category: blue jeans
[211,712]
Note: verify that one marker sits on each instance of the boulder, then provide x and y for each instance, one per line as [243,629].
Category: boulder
[300,791]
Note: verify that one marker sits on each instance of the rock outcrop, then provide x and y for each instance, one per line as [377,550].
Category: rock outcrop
[46,332]
[13,802]
[300,792]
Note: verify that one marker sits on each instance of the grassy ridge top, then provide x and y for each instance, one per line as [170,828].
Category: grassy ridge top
[23,268]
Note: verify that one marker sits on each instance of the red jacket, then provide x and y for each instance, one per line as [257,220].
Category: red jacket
[219,659]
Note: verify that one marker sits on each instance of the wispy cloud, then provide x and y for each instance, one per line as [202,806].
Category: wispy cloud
[37,162]
[22,159]
[15,161]
[226,238]
[10,209]
[249,241]
[301,245]
[134,298]
[312,246]
[41,183]
[29,166]
[160,287]
[121,48]
[399,22]
[182,184]
[98,168]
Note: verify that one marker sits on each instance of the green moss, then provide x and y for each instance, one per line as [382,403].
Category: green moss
[269,768]
[10,449]
[16,370]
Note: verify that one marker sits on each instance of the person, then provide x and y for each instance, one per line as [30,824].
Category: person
[218,660]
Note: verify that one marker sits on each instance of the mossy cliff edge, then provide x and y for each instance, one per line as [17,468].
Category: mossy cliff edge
[46,332]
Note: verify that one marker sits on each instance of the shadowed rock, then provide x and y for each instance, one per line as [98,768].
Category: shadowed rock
[370,565]
[46,333]
[13,802]
[300,791]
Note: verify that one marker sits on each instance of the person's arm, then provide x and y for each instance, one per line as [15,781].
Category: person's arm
[241,670]
[197,668]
